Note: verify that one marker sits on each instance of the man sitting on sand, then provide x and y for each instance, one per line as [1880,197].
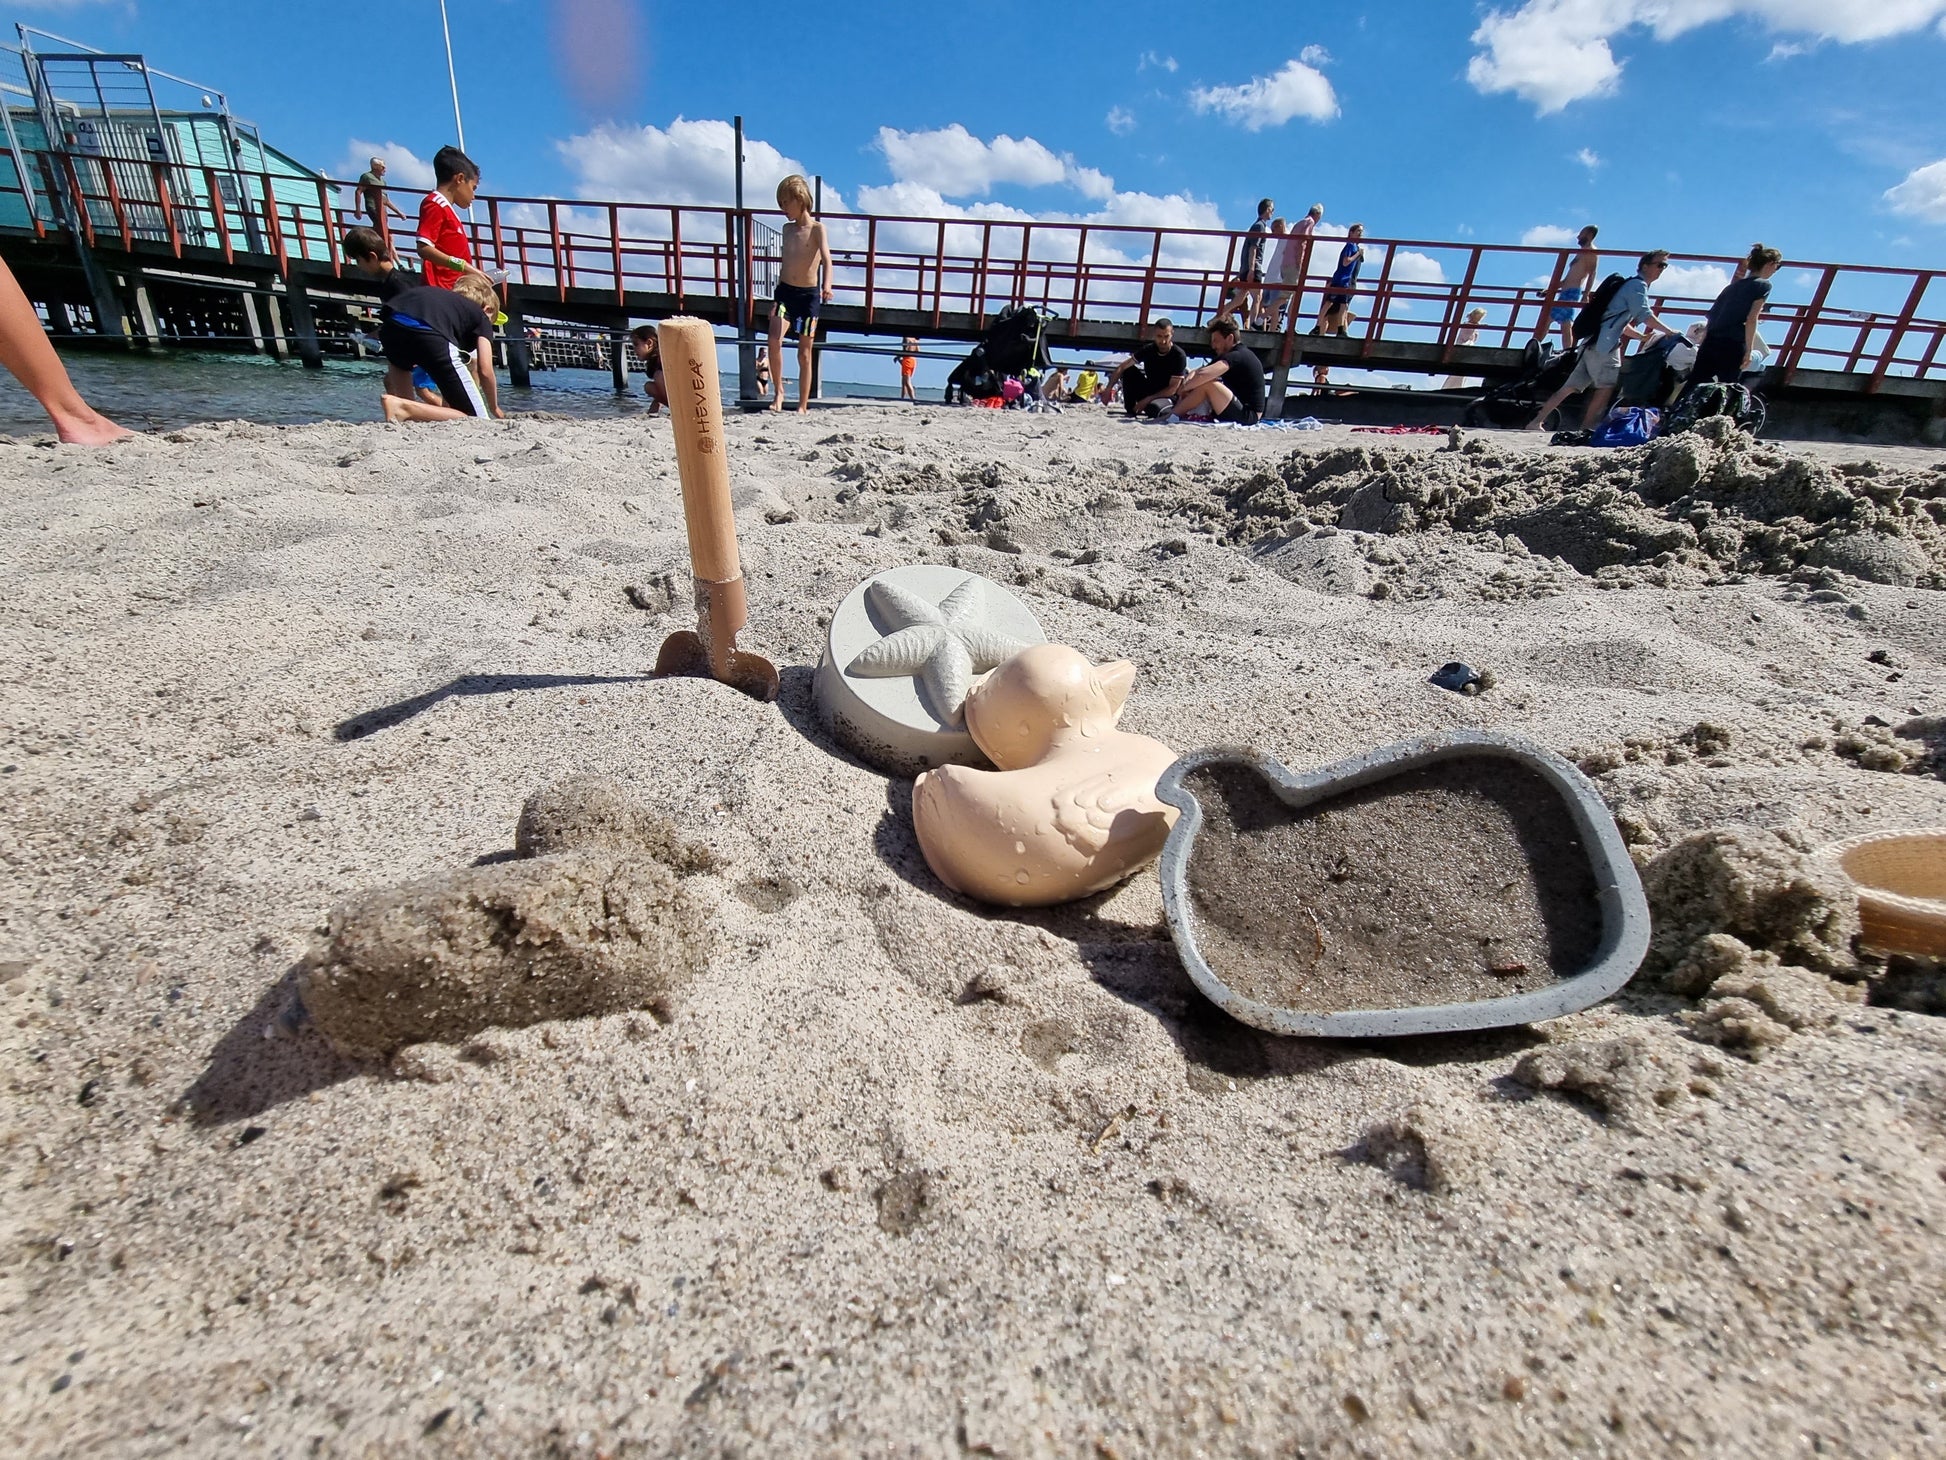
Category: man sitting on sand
[1150,376]
[436,330]
[1230,387]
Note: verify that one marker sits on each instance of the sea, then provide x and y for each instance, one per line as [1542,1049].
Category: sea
[165,390]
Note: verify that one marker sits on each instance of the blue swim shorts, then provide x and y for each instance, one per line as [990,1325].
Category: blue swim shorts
[1565,306]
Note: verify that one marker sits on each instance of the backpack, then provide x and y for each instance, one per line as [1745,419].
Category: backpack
[1718,398]
[1587,324]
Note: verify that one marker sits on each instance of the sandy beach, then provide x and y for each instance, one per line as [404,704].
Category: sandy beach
[896,1174]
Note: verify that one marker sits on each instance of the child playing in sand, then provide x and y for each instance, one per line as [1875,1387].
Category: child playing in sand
[436,330]
[365,250]
[648,349]
[801,293]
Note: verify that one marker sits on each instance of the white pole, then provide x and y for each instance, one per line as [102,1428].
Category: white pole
[452,77]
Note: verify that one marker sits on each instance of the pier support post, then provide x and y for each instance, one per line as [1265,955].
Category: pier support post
[617,362]
[519,364]
[251,324]
[304,323]
[143,310]
[280,343]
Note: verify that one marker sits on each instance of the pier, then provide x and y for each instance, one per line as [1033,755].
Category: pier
[148,249]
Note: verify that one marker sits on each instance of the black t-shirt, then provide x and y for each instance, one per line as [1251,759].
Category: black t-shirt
[1732,308]
[394,281]
[446,314]
[1154,369]
[1245,377]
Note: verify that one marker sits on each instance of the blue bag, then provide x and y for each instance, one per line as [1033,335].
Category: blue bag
[1627,426]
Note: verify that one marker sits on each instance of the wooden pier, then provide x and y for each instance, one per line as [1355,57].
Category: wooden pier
[241,263]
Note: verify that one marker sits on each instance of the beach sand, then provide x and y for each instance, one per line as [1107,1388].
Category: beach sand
[895,1174]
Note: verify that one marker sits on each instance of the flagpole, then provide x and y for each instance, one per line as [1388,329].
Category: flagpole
[452,77]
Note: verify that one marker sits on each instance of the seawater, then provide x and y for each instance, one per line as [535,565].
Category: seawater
[165,390]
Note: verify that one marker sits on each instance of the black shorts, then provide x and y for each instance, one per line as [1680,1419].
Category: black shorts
[1236,413]
[440,358]
[799,304]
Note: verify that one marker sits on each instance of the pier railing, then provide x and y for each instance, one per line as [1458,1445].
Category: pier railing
[899,274]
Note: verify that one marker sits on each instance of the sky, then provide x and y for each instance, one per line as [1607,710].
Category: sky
[1696,125]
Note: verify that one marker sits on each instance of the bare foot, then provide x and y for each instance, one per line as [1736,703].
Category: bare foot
[93,429]
[804,408]
[395,409]
[777,403]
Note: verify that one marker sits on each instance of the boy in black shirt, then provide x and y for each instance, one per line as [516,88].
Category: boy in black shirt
[436,330]
[365,251]
[1231,385]
[1153,372]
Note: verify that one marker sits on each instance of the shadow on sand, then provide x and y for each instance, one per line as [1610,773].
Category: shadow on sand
[386,717]
[261,1063]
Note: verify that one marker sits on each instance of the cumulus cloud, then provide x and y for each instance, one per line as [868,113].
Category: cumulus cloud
[1693,281]
[404,168]
[1553,52]
[1299,89]
[689,161]
[1121,121]
[1549,235]
[1588,158]
[1922,194]
[956,164]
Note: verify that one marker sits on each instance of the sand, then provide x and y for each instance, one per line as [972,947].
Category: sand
[1459,881]
[893,1174]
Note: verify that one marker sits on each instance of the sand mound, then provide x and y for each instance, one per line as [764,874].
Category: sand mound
[596,923]
[1692,507]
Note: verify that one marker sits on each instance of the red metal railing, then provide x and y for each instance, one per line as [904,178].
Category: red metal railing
[900,272]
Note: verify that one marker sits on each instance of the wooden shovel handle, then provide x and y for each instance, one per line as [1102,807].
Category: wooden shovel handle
[696,410]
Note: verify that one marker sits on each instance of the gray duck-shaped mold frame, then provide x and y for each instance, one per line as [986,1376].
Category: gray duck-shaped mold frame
[1624,909]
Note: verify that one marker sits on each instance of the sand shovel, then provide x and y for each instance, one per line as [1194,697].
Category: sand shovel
[696,411]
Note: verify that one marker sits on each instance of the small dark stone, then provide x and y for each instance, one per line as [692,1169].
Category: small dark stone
[61,1383]
[252,1133]
[1458,677]
[90,1092]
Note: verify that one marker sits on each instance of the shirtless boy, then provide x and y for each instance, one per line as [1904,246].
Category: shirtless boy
[801,293]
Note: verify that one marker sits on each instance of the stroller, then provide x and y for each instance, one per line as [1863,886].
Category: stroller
[1511,404]
[1015,345]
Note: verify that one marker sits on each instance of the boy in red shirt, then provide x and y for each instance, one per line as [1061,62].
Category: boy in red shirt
[443,243]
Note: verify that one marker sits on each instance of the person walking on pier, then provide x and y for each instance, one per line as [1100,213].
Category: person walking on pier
[1599,370]
[1289,265]
[373,198]
[1732,332]
[1246,299]
[1334,318]
[1575,287]
[801,291]
[443,241]
[1153,372]
[25,351]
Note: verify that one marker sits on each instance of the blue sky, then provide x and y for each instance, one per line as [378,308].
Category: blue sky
[1698,125]
[1772,122]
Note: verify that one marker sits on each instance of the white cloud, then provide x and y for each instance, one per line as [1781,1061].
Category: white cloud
[1588,158]
[1692,281]
[1548,235]
[1314,56]
[1161,63]
[1121,121]
[404,168]
[1416,268]
[688,162]
[956,164]
[1553,52]
[1922,194]
[1297,90]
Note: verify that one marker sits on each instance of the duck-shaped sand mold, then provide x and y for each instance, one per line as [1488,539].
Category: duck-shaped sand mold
[1072,808]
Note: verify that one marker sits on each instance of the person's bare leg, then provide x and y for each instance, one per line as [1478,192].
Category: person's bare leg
[1597,407]
[25,351]
[776,360]
[807,337]
[398,409]
[398,381]
[1547,410]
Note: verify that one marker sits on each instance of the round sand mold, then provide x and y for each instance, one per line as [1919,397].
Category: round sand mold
[897,722]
